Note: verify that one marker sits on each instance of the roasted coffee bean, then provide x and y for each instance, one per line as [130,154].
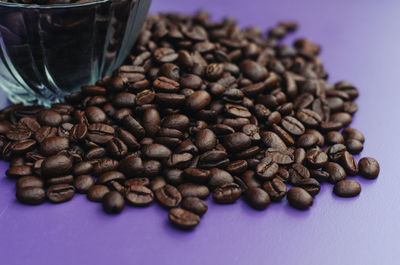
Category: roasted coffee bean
[111,176]
[316,158]
[29,181]
[113,202]
[116,148]
[95,153]
[311,185]
[128,139]
[78,132]
[336,151]
[354,146]
[31,195]
[257,198]
[183,219]
[95,114]
[319,175]
[100,133]
[53,145]
[275,188]
[271,139]
[151,121]
[267,169]
[368,167]
[60,193]
[205,140]
[347,188]
[57,165]
[283,134]
[131,166]
[133,126]
[219,177]
[351,133]
[168,196]
[19,171]
[348,162]
[21,147]
[49,117]
[334,138]
[253,70]
[280,156]
[82,168]
[300,155]
[97,192]
[83,183]
[309,117]
[336,172]
[18,134]
[293,126]
[194,190]
[196,175]
[307,141]
[237,141]
[342,117]
[195,205]
[321,140]
[67,179]
[299,198]
[139,195]
[237,167]
[156,183]
[29,123]
[297,173]
[227,193]
[198,100]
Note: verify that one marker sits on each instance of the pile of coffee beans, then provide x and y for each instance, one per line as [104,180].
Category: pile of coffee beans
[200,108]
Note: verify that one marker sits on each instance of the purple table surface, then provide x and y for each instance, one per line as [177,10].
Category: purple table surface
[360,43]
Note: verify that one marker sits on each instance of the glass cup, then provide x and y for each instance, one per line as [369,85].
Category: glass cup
[48,51]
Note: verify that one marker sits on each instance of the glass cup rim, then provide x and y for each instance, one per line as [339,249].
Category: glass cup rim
[55,6]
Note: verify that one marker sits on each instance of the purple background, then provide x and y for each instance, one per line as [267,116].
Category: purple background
[360,41]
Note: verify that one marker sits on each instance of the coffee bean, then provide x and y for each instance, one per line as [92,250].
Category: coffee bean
[334,138]
[342,117]
[117,148]
[349,164]
[227,193]
[316,158]
[60,193]
[347,188]
[219,177]
[299,198]
[128,139]
[336,172]
[253,70]
[354,146]
[280,156]
[100,133]
[351,133]
[67,179]
[19,171]
[95,114]
[139,195]
[131,166]
[31,195]
[113,202]
[83,183]
[97,192]
[257,198]
[293,126]
[237,141]
[205,140]
[368,167]
[309,117]
[307,141]
[237,167]
[56,165]
[198,100]
[78,132]
[168,196]
[183,219]
[49,117]
[271,139]
[195,205]
[82,168]
[196,175]
[111,176]
[336,151]
[53,145]
[275,188]
[133,126]
[29,181]
[267,169]
[194,190]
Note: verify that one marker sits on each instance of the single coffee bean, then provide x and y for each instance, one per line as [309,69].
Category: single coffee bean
[198,100]
[316,158]
[49,117]
[31,195]
[319,175]
[307,141]
[60,193]
[253,70]
[293,126]
[97,192]
[151,121]
[310,185]
[19,171]
[300,155]
[131,166]
[183,219]
[53,145]
[298,173]
[271,139]
[196,175]
[336,172]
[205,140]
[237,141]
[67,179]
[267,169]
[156,151]
[349,164]
[336,151]
[257,198]
[83,183]
[368,167]
[280,156]
[354,146]
[195,205]
[137,181]
[95,114]
[347,188]
[219,177]
[117,148]
[334,138]
[82,168]
[227,193]
[321,140]
[168,196]
[299,198]
[139,195]
[29,181]
[78,132]
[111,176]
[309,117]
[194,190]
[351,133]
[113,202]
[237,167]
[275,188]
[156,183]
[57,165]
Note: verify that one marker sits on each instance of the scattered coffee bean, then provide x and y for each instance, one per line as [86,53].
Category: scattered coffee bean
[299,198]
[195,205]
[183,219]
[257,198]
[113,202]
[347,188]
[369,167]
